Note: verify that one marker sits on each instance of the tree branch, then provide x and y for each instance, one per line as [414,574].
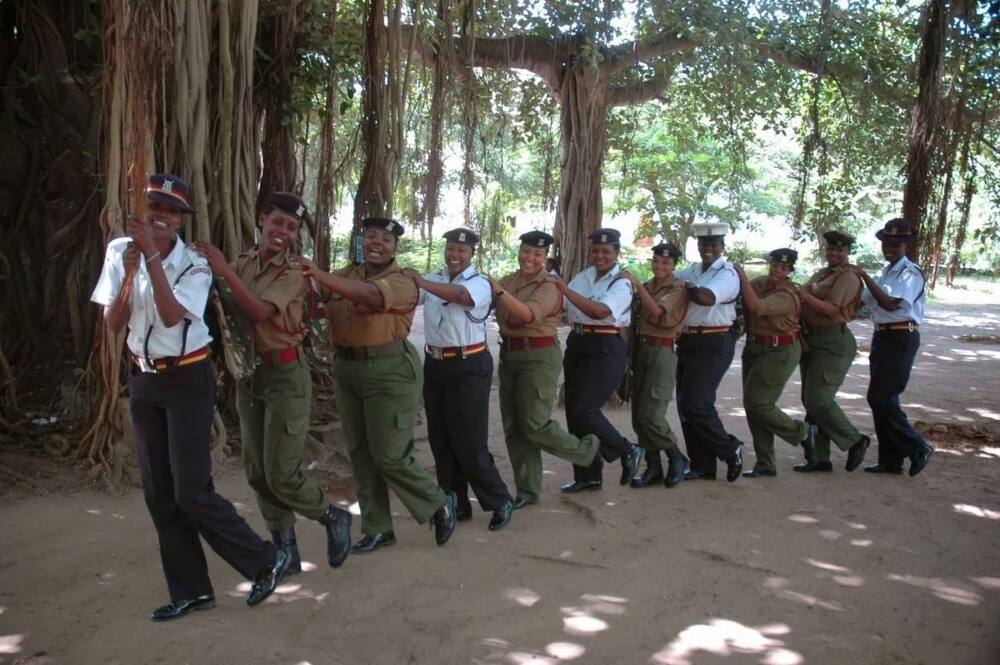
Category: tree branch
[619,58]
[638,92]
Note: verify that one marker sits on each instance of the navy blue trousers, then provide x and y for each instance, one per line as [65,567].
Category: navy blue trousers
[702,361]
[593,366]
[172,416]
[457,401]
[890,362]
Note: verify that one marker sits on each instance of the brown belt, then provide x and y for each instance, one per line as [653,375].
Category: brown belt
[442,352]
[525,343]
[652,340]
[598,330]
[705,330]
[902,325]
[168,363]
[775,340]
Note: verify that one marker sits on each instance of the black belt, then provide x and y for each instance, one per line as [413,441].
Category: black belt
[394,348]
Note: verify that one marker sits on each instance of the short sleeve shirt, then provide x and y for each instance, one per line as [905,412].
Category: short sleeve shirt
[777,308]
[609,290]
[354,326]
[542,298]
[721,279]
[448,324]
[671,295]
[282,284]
[190,278]
[840,287]
[902,280]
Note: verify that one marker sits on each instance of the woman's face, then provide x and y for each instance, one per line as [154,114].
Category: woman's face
[778,272]
[278,231]
[603,257]
[531,259]
[379,246]
[458,257]
[836,255]
[663,266]
[164,219]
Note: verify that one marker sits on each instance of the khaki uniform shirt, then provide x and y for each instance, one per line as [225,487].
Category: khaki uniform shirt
[281,284]
[777,308]
[672,297]
[541,297]
[354,325]
[840,287]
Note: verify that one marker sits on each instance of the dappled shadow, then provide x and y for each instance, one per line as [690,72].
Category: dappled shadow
[943,589]
[724,637]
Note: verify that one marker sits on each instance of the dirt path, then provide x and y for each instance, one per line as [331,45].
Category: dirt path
[844,568]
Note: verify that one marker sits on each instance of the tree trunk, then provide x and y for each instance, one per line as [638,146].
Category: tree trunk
[435,165]
[583,120]
[278,171]
[923,122]
[374,196]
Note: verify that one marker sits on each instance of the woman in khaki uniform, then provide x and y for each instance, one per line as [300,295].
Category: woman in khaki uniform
[831,299]
[379,379]
[274,403]
[528,308]
[664,305]
[771,354]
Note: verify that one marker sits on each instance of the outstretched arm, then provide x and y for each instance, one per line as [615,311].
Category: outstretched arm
[884,300]
[591,308]
[254,308]
[355,290]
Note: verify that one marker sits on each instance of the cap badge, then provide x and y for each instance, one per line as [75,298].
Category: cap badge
[168,185]
[301,209]
[541,242]
[390,226]
[604,237]
[461,236]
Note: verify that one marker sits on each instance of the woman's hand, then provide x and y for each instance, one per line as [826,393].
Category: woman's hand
[494,285]
[559,282]
[141,232]
[131,259]
[308,268]
[213,255]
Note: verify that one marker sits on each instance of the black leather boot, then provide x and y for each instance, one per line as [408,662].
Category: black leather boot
[285,539]
[679,466]
[338,534]
[653,475]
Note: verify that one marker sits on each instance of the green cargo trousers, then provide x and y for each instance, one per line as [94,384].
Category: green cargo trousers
[766,370]
[528,385]
[377,402]
[823,369]
[655,377]
[274,405]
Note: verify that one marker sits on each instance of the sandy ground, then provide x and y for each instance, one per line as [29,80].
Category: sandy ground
[840,568]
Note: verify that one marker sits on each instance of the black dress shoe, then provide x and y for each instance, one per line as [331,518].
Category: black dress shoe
[338,534]
[521,503]
[856,453]
[734,465]
[286,540]
[810,467]
[677,470]
[759,473]
[175,609]
[630,464]
[692,474]
[920,460]
[581,486]
[372,542]
[896,469]
[653,475]
[268,578]
[444,519]
[501,516]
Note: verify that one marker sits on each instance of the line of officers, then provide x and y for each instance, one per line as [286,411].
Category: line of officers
[157,286]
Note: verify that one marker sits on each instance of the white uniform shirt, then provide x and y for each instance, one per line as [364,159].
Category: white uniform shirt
[615,293]
[191,291]
[722,280]
[902,280]
[450,324]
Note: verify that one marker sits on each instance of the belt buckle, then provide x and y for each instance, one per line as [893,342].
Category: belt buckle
[435,352]
[145,367]
[774,340]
